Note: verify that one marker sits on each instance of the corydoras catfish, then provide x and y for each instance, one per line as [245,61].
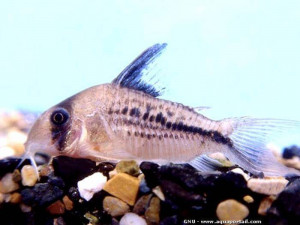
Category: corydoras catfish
[125,120]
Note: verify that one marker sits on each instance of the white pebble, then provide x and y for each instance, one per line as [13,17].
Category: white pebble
[240,171]
[91,185]
[29,175]
[132,219]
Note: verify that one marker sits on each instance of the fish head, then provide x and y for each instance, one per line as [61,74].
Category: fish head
[56,132]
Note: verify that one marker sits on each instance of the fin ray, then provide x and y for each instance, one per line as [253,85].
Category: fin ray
[250,137]
[140,74]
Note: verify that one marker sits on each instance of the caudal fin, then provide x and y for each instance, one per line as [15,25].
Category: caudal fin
[250,137]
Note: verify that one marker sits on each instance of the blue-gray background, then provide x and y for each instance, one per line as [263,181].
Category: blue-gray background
[238,57]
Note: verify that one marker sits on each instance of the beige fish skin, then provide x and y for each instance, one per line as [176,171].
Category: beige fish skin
[122,123]
[125,120]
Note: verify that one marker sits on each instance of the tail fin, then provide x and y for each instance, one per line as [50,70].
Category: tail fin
[250,137]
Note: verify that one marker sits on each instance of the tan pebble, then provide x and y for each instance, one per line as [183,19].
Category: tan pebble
[93,219]
[142,204]
[56,208]
[232,210]
[293,162]
[114,206]
[124,187]
[45,170]
[152,213]
[25,208]
[128,166]
[221,158]
[7,184]
[1,198]
[268,186]
[29,175]
[15,198]
[17,176]
[265,204]
[68,203]
[248,199]
[112,173]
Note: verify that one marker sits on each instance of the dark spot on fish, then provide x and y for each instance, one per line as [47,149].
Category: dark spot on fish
[176,136]
[110,111]
[136,133]
[145,116]
[180,126]
[181,135]
[148,107]
[142,135]
[168,125]
[117,111]
[171,136]
[154,135]
[125,110]
[151,118]
[165,135]
[149,136]
[128,132]
[135,112]
[160,137]
[185,128]
[163,121]
[170,114]
[158,117]
[174,126]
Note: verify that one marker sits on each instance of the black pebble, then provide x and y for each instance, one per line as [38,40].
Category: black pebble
[176,193]
[288,202]
[42,194]
[290,152]
[230,185]
[184,174]
[105,168]
[10,164]
[171,220]
[72,170]
[151,172]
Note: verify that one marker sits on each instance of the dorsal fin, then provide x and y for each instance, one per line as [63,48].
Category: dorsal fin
[137,75]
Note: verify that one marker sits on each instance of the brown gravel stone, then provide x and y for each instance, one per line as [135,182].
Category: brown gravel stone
[124,187]
[68,203]
[7,184]
[265,204]
[142,204]
[114,206]
[130,167]
[56,208]
[15,198]
[152,213]
[17,176]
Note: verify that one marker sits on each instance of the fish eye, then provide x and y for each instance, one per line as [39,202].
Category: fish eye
[59,117]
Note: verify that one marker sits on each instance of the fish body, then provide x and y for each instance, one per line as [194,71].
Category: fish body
[125,120]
